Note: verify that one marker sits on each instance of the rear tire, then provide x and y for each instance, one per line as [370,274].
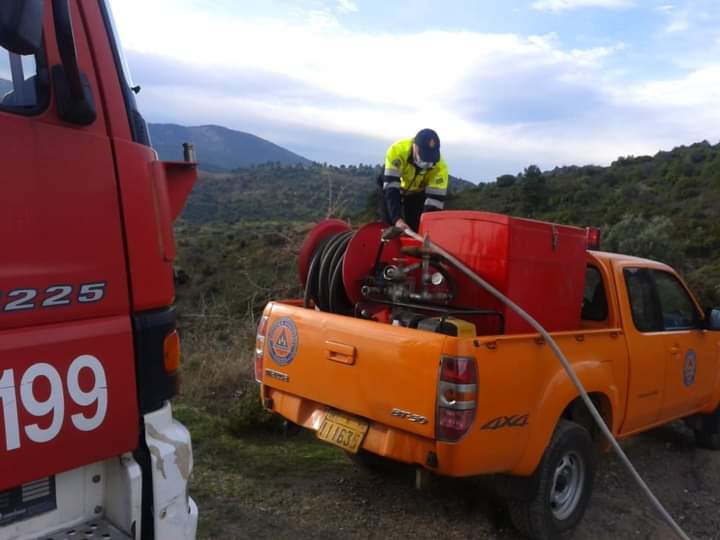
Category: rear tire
[560,488]
[708,434]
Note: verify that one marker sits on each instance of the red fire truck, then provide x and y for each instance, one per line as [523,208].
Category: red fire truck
[88,348]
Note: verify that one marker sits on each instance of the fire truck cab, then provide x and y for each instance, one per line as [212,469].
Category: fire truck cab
[89,352]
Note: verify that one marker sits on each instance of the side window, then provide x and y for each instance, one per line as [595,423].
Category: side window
[138,126]
[594,307]
[643,303]
[20,88]
[678,309]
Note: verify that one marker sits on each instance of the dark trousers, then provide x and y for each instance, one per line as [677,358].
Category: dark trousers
[412,207]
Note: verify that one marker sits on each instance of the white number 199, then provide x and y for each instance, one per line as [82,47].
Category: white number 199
[55,403]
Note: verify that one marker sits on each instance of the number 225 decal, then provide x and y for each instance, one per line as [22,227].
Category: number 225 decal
[55,403]
[53,296]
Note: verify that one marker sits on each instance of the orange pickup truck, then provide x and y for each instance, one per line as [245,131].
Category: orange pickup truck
[462,404]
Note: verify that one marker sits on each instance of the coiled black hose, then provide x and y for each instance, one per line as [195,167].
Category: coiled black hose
[324,285]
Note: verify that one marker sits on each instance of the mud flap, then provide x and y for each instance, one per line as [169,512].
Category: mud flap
[175,514]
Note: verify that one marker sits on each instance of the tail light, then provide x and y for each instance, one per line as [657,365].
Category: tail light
[171,352]
[260,347]
[592,236]
[456,397]
[157,357]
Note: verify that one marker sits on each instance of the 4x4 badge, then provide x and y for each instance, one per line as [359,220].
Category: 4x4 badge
[507,421]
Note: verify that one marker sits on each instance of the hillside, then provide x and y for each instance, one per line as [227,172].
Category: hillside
[219,148]
[665,207]
[297,193]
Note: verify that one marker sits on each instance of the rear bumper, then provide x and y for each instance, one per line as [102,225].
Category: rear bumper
[381,439]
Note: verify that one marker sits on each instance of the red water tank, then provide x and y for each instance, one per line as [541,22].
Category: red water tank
[539,265]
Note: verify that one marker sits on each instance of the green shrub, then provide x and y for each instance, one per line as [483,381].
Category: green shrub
[247,414]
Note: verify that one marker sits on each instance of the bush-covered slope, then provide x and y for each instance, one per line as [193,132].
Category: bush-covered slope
[272,192]
[665,207]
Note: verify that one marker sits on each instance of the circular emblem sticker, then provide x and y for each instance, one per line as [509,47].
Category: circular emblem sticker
[690,368]
[283,341]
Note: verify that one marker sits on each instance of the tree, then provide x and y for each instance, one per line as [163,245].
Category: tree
[534,193]
[506,180]
[647,238]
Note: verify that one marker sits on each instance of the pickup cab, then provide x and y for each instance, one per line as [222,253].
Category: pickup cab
[502,404]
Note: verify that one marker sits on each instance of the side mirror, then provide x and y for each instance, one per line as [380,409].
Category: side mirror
[21,25]
[73,95]
[712,319]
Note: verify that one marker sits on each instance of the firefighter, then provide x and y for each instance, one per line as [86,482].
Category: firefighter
[415,180]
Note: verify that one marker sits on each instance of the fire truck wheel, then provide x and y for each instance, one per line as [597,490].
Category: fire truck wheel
[561,486]
[708,433]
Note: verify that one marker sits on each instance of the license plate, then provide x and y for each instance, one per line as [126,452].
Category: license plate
[343,431]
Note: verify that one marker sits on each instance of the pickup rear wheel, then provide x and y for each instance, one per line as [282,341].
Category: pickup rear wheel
[708,434]
[560,486]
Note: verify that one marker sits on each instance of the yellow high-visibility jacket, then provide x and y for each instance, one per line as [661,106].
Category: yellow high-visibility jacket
[401,174]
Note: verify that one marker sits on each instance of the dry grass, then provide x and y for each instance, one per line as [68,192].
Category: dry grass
[217,353]
[226,275]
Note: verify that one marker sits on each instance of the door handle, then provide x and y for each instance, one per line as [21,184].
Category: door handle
[675,351]
[340,352]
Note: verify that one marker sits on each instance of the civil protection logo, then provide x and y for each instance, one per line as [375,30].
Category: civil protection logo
[283,341]
[690,368]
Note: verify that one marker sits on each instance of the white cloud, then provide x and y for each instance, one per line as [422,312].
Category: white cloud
[347,6]
[323,55]
[500,97]
[700,89]
[678,21]
[321,19]
[696,17]
[567,5]
[593,57]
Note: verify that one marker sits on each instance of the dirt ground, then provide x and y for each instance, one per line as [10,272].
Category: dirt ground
[297,487]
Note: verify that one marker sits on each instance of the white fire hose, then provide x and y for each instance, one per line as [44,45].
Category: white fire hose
[568,369]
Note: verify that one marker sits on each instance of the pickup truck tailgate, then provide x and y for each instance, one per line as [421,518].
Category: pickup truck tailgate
[361,367]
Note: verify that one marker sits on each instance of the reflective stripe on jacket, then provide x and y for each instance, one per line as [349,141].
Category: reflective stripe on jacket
[400,173]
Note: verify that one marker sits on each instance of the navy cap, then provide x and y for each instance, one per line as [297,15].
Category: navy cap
[428,144]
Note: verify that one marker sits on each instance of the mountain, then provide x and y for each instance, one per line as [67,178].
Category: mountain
[5,87]
[219,148]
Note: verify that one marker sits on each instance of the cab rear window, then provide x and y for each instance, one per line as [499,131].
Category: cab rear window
[594,307]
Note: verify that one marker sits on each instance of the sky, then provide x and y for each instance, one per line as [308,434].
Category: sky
[504,83]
